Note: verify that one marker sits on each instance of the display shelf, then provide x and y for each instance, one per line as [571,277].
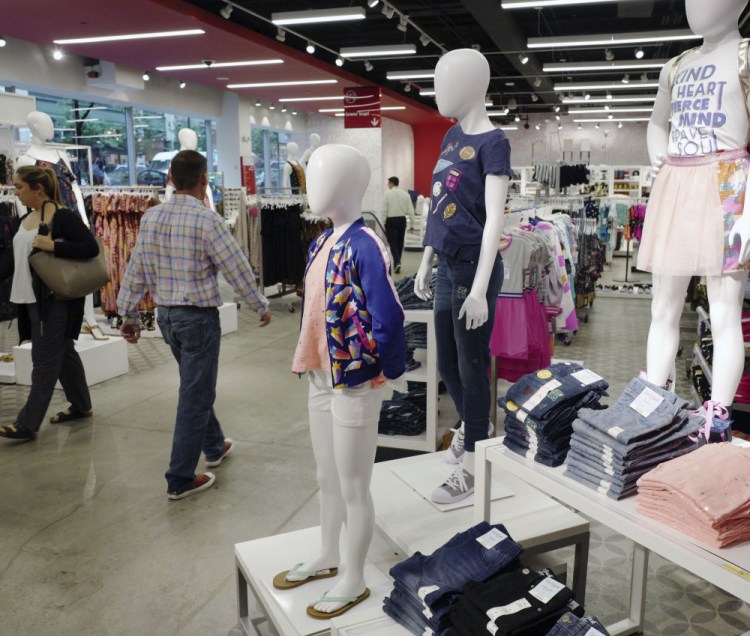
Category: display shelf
[421,442]
[698,355]
[703,317]
[695,396]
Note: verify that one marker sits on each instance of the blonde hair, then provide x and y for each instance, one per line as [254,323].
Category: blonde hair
[38,176]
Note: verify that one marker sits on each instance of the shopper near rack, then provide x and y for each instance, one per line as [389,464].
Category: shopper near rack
[397,206]
[698,217]
[464,224]
[182,245]
[52,325]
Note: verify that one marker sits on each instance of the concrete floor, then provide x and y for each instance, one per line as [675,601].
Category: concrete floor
[91,545]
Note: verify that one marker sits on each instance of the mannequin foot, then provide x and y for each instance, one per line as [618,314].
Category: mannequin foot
[455,451]
[299,575]
[94,330]
[457,487]
[338,600]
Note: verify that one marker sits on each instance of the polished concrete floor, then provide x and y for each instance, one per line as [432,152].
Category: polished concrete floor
[90,545]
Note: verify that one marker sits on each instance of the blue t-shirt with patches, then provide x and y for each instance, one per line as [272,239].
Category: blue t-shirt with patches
[457,213]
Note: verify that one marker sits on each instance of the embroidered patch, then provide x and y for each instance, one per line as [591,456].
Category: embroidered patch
[467,152]
[449,211]
[462,292]
[452,180]
[544,374]
[437,188]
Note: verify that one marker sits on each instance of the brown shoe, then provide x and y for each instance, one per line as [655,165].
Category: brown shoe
[203,481]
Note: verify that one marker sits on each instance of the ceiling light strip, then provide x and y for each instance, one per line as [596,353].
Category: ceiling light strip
[316,16]
[604,100]
[601,86]
[407,75]
[613,111]
[329,98]
[280,84]
[605,119]
[604,39]
[623,65]
[188,67]
[130,36]
[378,51]
[538,4]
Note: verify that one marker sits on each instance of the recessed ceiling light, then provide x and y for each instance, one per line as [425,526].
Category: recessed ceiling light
[190,67]
[275,84]
[606,39]
[130,36]
[378,51]
[226,11]
[313,16]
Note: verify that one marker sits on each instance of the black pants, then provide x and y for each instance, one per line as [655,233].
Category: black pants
[395,230]
[53,358]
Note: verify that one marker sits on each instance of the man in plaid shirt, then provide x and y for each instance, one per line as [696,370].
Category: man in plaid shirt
[182,245]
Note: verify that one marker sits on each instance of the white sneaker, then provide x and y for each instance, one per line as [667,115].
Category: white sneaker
[456,450]
[456,488]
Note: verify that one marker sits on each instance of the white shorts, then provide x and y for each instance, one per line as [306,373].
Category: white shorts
[352,406]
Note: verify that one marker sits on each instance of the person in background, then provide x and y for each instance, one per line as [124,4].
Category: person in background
[100,177]
[182,245]
[397,206]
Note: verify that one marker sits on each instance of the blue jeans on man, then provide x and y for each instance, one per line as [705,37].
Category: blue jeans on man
[194,335]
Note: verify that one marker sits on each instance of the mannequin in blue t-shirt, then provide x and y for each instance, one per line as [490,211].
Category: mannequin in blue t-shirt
[464,223]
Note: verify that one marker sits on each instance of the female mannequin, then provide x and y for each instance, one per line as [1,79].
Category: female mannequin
[464,223]
[293,177]
[351,342]
[314,143]
[708,238]
[39,153]
[189,141]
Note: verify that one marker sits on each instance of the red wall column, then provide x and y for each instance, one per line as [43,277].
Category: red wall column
[427,139]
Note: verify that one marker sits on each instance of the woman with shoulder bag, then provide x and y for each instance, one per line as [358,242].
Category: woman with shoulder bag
[52,324]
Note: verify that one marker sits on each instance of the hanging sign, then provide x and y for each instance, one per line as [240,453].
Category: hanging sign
[362,107]
[247,174]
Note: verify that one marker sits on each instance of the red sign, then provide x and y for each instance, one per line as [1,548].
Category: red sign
[247,174]
[362,107]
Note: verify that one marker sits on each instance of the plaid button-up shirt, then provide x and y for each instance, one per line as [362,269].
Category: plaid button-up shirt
[181,247]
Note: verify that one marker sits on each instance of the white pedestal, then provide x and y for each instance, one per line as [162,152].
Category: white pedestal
[102,359]
[7,373]
[227,317]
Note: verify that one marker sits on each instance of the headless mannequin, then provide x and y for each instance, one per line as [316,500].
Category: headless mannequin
[314,143]
[292,150]
[717,22]
[189,141]
[344,455]
[42,130]
[461,80]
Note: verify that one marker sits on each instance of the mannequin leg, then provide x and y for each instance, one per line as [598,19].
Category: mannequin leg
[725,295]
[88,310]
[664,333]
[355,439]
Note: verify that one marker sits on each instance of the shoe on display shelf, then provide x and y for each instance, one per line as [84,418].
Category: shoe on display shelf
[455,451]
[457,487]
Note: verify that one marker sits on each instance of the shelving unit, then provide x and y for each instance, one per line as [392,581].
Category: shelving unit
[437,422]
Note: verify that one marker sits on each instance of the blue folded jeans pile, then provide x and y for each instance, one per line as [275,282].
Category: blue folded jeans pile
[427,587]
[611,449]
[572,625]
[404,413]
[541,406]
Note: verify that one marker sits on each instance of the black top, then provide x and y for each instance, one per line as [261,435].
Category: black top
[72,240]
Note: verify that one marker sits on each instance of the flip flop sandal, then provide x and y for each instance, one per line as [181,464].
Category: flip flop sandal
[13,432]
[280,582]
[350,601]
[62,417]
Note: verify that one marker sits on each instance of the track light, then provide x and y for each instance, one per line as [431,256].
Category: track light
[587,96]
[368,66]
[513,103]
[57,54]
[619,125]
[272,107]
[639,53]
[280,35]
[3,42]
[626,79]
[310,48]
[146,76]
[609,55]
[283,109]
[609,95]
[403,23]
[534,97]
[339,61]
[559,126]
[372,3]
[183,84]
[557,117]
[538,127]
[294,112]
[258,103]
[557,109]
[517,118]
[644,77]
[580,126]
[226,11]
[387,10]
[424,40]
[596,126]
[523,58]
[537,82]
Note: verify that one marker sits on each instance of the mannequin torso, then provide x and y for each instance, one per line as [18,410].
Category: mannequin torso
[189,141]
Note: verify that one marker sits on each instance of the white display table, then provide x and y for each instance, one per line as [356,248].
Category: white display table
[727,568]
[227,317]
[102,359]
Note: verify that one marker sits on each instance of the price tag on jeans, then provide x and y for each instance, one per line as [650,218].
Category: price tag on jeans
[490,539]
[422,592]
[427,613]
[586,377]
[492,628]
[647,402]
[546,590]
[511,608]
[542,393]
[593,632]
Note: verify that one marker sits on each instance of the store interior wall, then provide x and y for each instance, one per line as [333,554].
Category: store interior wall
[428,138]
[398,152]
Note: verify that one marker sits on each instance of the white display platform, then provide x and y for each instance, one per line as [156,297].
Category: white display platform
[227,318]
[370,623]
[102,359]
[424,476]
[260,560]
[7,372]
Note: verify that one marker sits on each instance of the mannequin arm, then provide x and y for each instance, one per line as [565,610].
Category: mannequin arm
[286,184]
[741,229]
[475,306]
[657,135]
[424,275]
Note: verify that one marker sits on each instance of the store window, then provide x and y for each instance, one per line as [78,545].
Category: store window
[269,156]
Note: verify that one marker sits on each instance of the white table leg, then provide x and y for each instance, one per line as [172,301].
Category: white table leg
[482,482]
[633,624]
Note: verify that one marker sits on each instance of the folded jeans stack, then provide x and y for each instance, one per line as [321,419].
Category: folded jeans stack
[404,413]
[541,406]
[571,625]
[611,449]
[409,300]
[523,601]
[676,494]
[426,588]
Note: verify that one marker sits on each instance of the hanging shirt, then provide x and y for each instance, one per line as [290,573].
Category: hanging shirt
[708,104]
[457,213]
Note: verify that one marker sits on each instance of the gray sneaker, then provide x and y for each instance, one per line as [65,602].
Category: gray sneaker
[456,488]
[455,451]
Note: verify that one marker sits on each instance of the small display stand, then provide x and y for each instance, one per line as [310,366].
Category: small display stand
[102,359]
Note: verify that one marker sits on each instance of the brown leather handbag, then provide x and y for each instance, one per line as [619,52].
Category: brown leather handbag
[69,278]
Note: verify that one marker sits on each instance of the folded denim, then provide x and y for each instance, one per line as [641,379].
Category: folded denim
[415,614]
[436,617]
[463,558]
[407,620]
[598,456]
[600,485]
[557,442]
[571,625]
[541,448]
[620,481]
[540,458]
[630,469]
[541,392]
[409,300]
